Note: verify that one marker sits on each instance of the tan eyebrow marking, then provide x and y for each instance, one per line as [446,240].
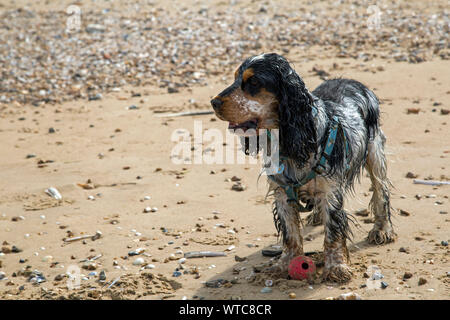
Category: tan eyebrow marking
[247,74]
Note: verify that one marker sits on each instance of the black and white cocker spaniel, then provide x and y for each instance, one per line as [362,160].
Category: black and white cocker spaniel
[326,138]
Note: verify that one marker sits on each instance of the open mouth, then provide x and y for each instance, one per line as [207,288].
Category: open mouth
[244,126]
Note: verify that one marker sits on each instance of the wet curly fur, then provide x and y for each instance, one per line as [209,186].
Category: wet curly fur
[303,134]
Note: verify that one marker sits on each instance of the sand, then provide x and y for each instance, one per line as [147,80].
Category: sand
[125,154]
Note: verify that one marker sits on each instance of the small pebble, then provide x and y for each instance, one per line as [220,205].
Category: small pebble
[407,275]
[269,283]
[266,290]
[422,281]
[138,261]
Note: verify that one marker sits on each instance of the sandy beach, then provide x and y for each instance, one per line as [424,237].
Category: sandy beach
[83,112]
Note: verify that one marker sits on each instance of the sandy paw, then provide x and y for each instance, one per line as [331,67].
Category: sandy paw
[378,237]
[279,269]
[337,273]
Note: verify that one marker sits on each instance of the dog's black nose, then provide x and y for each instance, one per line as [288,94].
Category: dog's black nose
[216,103]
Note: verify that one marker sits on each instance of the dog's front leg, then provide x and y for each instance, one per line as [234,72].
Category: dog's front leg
[337,230]
[287,221]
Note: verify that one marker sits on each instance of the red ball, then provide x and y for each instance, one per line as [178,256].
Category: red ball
[301,268]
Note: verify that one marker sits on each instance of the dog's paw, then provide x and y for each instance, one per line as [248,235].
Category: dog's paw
[381,236]
[278,270]
[337,273]
[314,219]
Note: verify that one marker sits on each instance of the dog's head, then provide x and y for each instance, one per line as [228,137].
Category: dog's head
[268,94]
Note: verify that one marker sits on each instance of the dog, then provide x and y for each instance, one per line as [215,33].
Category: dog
[327,137]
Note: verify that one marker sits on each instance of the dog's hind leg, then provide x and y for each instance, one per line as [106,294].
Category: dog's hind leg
[287,222]
[336,257]
[315,218]
[382,232]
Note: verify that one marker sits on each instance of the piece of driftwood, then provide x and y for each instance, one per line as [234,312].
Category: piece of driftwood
[201,254]
[94,237]
[92,259]
[183,114]
[431,182]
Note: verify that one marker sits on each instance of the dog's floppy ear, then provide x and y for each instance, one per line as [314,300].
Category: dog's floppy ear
[296,123]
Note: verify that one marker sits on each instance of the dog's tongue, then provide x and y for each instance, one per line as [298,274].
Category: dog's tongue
[233,125]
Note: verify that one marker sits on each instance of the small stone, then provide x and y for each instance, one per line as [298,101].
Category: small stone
[88,265]
[102,275]
[136,252]
[411,175]
[422,281]
[238,187]
[384,285]
[176,274]
[95,28]
[271,252]
[349,296]
[6,249]
[404,213]
[444,243]
[407,275]
[94,97]
[412,110]
[14,249]
[172,89]
[215,283]
[138,261]
[60,276]
[47,259]
[292,295]
[266,290]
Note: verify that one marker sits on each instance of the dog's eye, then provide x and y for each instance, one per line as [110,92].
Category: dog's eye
[253,81]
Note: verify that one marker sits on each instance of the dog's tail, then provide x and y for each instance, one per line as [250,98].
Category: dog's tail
[370,109]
